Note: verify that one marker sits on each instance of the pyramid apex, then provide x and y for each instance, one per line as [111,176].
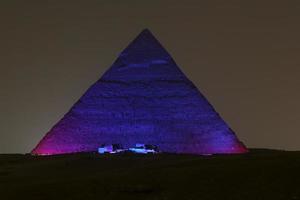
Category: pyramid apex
[145,33]
[145,47]
[146,30]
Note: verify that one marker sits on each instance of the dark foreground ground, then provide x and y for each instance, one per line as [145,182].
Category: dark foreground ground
[260,174]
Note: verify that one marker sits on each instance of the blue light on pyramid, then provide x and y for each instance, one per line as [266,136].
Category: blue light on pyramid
[143,98]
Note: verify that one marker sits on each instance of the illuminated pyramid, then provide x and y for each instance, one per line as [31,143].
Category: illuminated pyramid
[143,98]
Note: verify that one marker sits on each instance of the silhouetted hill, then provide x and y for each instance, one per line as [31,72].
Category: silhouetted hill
[260,174]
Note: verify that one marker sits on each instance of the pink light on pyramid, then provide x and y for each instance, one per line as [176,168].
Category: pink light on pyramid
[143,98]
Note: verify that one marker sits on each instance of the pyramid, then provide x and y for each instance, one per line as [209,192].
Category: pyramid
[143,98]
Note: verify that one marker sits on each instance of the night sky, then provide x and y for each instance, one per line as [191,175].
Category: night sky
[244,56]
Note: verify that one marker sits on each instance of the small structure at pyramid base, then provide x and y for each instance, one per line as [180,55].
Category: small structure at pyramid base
[143,98]
[117,148]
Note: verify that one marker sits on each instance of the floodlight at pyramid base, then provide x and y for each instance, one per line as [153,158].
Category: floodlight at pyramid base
[225,145]
[239,149]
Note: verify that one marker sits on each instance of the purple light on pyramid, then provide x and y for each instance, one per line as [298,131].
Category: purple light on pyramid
[143,98]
